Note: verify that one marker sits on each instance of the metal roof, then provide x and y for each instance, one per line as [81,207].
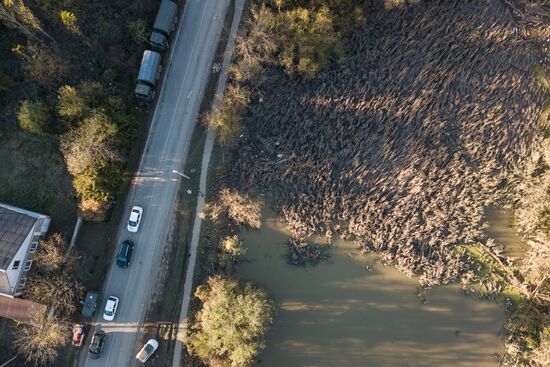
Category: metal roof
[14,228]
[165,16]
[149,66]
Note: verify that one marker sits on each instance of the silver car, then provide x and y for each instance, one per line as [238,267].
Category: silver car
[147,351]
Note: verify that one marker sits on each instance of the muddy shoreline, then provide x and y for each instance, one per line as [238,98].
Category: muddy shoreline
[352,311]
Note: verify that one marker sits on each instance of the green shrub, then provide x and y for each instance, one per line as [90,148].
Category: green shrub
[138,30]
[90,145]
[69,21]
[69,103]
[34,117]
[308,40]
[232,322]
[233,246]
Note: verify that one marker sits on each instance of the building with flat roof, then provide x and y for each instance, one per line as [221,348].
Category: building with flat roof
[20,231]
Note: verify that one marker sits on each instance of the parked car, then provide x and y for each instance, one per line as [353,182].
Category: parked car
[135,219]
[110,308]
[124,254]
[96,346]
[79,334]
[90,303]
[147,351]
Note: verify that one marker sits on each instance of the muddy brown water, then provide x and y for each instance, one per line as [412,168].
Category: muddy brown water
[341,314]
[501,228]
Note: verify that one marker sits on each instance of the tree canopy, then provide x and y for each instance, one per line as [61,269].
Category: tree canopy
[39,343]
[90,145]
[50,253]
[308,40]
[231,324]
[34,116]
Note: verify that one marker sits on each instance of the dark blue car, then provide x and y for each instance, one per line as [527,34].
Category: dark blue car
[124,254]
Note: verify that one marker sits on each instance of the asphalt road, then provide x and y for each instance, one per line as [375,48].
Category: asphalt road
[155,185]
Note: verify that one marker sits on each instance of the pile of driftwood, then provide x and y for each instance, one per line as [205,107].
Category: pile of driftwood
[402,146]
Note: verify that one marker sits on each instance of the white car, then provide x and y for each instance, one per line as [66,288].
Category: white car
[110,308]
[147,351]
[135,219]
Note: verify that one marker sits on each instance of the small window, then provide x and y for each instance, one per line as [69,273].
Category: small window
[28,265]
[16,265]
[33,247]
[22,283]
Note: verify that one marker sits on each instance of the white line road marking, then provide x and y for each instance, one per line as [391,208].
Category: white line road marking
[142,159]
[160,163]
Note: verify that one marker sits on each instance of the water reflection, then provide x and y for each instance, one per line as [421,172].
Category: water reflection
[340,314]
[501,229]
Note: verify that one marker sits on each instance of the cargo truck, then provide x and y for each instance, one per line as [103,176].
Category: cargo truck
[149,73]
[165,22]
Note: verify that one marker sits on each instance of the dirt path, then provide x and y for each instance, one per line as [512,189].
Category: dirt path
[208,145]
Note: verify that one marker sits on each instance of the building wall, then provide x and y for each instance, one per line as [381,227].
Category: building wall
[14,275]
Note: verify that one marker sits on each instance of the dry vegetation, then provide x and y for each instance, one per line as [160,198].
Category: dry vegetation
[39,342]
[53,282]
[240,208]
[403,145]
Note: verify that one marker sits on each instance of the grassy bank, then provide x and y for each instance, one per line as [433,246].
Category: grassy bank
[492,278]
[33,177]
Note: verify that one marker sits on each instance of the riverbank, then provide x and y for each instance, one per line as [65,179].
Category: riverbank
[352,311]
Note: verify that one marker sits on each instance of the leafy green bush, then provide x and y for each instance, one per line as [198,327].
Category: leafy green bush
[69,103]
[98,182]
[69,20]
[138,30]
[34,117]
[308,40]
[232,322]
[233,246]
[90,145]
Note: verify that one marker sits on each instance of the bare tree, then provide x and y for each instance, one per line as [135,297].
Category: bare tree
[62,289]
[260,42]
[50,253]
[255,45]
[39,343]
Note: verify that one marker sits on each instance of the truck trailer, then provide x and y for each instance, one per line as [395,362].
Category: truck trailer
[149,73]
[165,22]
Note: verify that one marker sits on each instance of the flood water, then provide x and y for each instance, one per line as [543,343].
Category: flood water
[340,314]
[501,229]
